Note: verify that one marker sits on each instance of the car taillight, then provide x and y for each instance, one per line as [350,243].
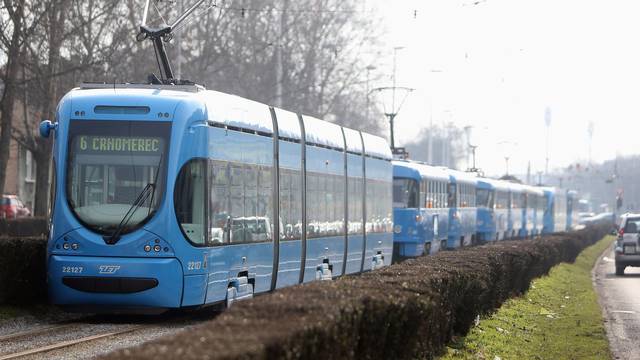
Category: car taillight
[621,232]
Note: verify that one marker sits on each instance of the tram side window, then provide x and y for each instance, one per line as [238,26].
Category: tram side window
[464,196]
[219,203]
[285,204]
[290,205]
[189,201]
[325,205]
[482,196]
[422,201]
[451,196]
[405,193]
[379,197]
[472,195]
[355,205]
[295,217]
[338,203]
[428,197]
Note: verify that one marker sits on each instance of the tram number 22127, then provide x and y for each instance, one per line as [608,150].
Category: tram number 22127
[72,269]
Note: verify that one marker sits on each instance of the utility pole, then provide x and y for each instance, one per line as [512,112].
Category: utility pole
[393,86]
[547,122]
[506,161]
[391,110]
[590,131]
[430,136]
[393,113]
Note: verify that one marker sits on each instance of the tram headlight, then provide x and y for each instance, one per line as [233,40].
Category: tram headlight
[66,246]
[157,248]
[147,248]
[75,246]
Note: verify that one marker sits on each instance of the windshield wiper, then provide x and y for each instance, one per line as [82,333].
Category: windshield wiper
[149,189]
[141,199]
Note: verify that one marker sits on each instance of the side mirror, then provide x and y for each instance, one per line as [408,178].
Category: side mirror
[45,128]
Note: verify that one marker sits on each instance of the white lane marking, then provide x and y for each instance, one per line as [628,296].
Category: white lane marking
[608,259]
[623,311]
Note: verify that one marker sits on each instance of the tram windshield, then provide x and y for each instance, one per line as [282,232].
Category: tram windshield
[110,164]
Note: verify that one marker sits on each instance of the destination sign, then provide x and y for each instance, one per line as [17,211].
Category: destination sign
[119,144]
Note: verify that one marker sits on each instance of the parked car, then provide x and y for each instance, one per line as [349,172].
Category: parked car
[11,207]
[626,248]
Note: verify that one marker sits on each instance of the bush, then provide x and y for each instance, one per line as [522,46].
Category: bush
[28,226]
[23,270]
[404,311]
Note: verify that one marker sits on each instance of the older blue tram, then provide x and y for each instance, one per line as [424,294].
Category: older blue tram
[462,209]
[420,210]
[175,196]
[469,209]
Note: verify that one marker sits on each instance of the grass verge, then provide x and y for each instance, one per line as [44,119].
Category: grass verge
[558,318]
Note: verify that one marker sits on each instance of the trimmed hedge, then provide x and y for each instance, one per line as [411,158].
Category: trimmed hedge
[24,227]
[23,270]
[404,311]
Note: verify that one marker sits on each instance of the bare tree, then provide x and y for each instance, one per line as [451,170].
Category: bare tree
[12,46]
[82,31]
[306,55]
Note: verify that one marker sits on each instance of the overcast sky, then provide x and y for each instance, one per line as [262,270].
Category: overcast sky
[496,65]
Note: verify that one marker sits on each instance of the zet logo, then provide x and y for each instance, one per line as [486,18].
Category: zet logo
[108,269]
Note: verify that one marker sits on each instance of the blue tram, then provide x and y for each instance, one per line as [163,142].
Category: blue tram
[492,199]
[518,227]
[535,210]
[486,217]
[175,196]
[555,213]
[420,210]
[461,200]
[573,217]
[476,209]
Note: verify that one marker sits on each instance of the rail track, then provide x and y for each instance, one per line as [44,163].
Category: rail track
[56,345]
[77,335]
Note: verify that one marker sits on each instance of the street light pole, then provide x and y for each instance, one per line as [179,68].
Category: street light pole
[393,95]
[506,161]
[391,117]
[547,122]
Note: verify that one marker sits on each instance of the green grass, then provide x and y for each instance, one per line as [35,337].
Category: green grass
[558,318]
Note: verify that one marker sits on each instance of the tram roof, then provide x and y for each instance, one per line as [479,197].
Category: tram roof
[424,170]
[236,111]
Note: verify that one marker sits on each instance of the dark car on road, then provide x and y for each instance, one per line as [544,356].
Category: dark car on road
[627,247]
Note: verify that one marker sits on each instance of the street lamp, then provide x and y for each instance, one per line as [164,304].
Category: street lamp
[393,99]
[392,111]
[508,148]
[468,130]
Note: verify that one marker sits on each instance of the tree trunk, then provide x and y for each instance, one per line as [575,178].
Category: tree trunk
[42,194]
[10,89]
[43,153]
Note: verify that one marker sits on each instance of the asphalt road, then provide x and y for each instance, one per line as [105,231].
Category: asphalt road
[620,300]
